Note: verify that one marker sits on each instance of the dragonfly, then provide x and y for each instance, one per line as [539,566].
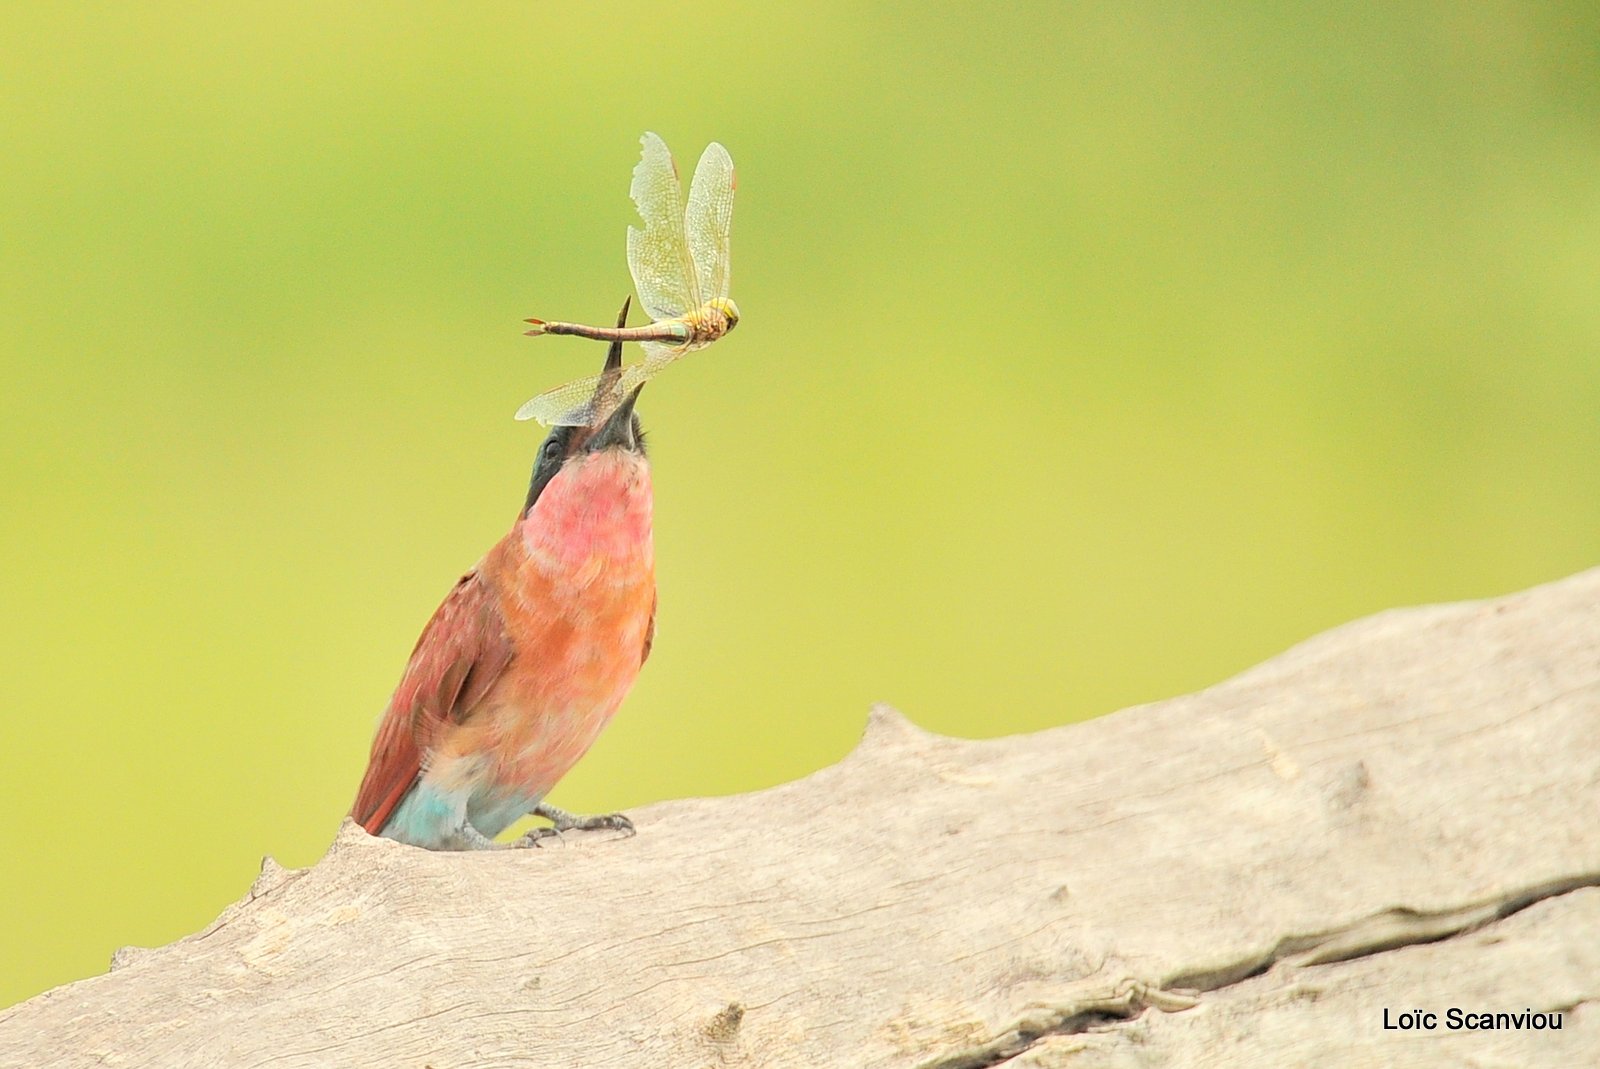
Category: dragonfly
[681,270]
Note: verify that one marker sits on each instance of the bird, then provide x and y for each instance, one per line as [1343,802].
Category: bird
[530,654]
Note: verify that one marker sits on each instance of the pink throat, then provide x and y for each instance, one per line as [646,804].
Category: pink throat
[596,509]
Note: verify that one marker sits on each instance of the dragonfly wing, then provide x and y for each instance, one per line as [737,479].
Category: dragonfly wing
[576,403]
[662,271]
[709,220]
[658,356]
[568,405]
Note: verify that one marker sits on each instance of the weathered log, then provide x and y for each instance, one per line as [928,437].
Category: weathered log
[1398,815]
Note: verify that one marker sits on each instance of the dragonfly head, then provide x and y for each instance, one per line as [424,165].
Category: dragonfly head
[729,310]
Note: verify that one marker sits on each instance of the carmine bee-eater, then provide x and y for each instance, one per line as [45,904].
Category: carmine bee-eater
[530,655]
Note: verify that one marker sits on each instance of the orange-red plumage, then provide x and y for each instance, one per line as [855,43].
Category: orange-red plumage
[530,654]
[460,654]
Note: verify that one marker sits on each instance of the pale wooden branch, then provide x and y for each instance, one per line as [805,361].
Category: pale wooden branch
[1400,814]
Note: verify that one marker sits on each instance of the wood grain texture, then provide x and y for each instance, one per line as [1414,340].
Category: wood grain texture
[1398,814]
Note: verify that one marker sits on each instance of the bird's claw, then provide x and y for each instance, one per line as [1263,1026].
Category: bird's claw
[601,822]
[563,821]
[537,836]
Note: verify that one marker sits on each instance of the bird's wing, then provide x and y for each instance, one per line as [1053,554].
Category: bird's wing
[462,652]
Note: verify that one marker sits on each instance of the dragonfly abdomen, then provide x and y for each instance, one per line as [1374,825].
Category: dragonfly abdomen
[670,330]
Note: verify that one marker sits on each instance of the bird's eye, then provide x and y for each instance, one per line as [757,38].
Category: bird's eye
[552,449]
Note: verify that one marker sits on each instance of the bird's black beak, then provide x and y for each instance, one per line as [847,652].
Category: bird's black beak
[619,428]
[613,365]
[614,354]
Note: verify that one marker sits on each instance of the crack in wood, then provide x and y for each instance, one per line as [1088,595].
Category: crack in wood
[1387,930]
[1130,999]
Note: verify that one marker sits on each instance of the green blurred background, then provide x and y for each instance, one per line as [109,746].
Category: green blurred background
[1092,352]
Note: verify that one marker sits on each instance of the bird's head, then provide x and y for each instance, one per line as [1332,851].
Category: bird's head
[574,455]
[597,471]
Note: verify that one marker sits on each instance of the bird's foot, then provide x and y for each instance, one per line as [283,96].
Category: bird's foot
[562,821]
[565,821]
